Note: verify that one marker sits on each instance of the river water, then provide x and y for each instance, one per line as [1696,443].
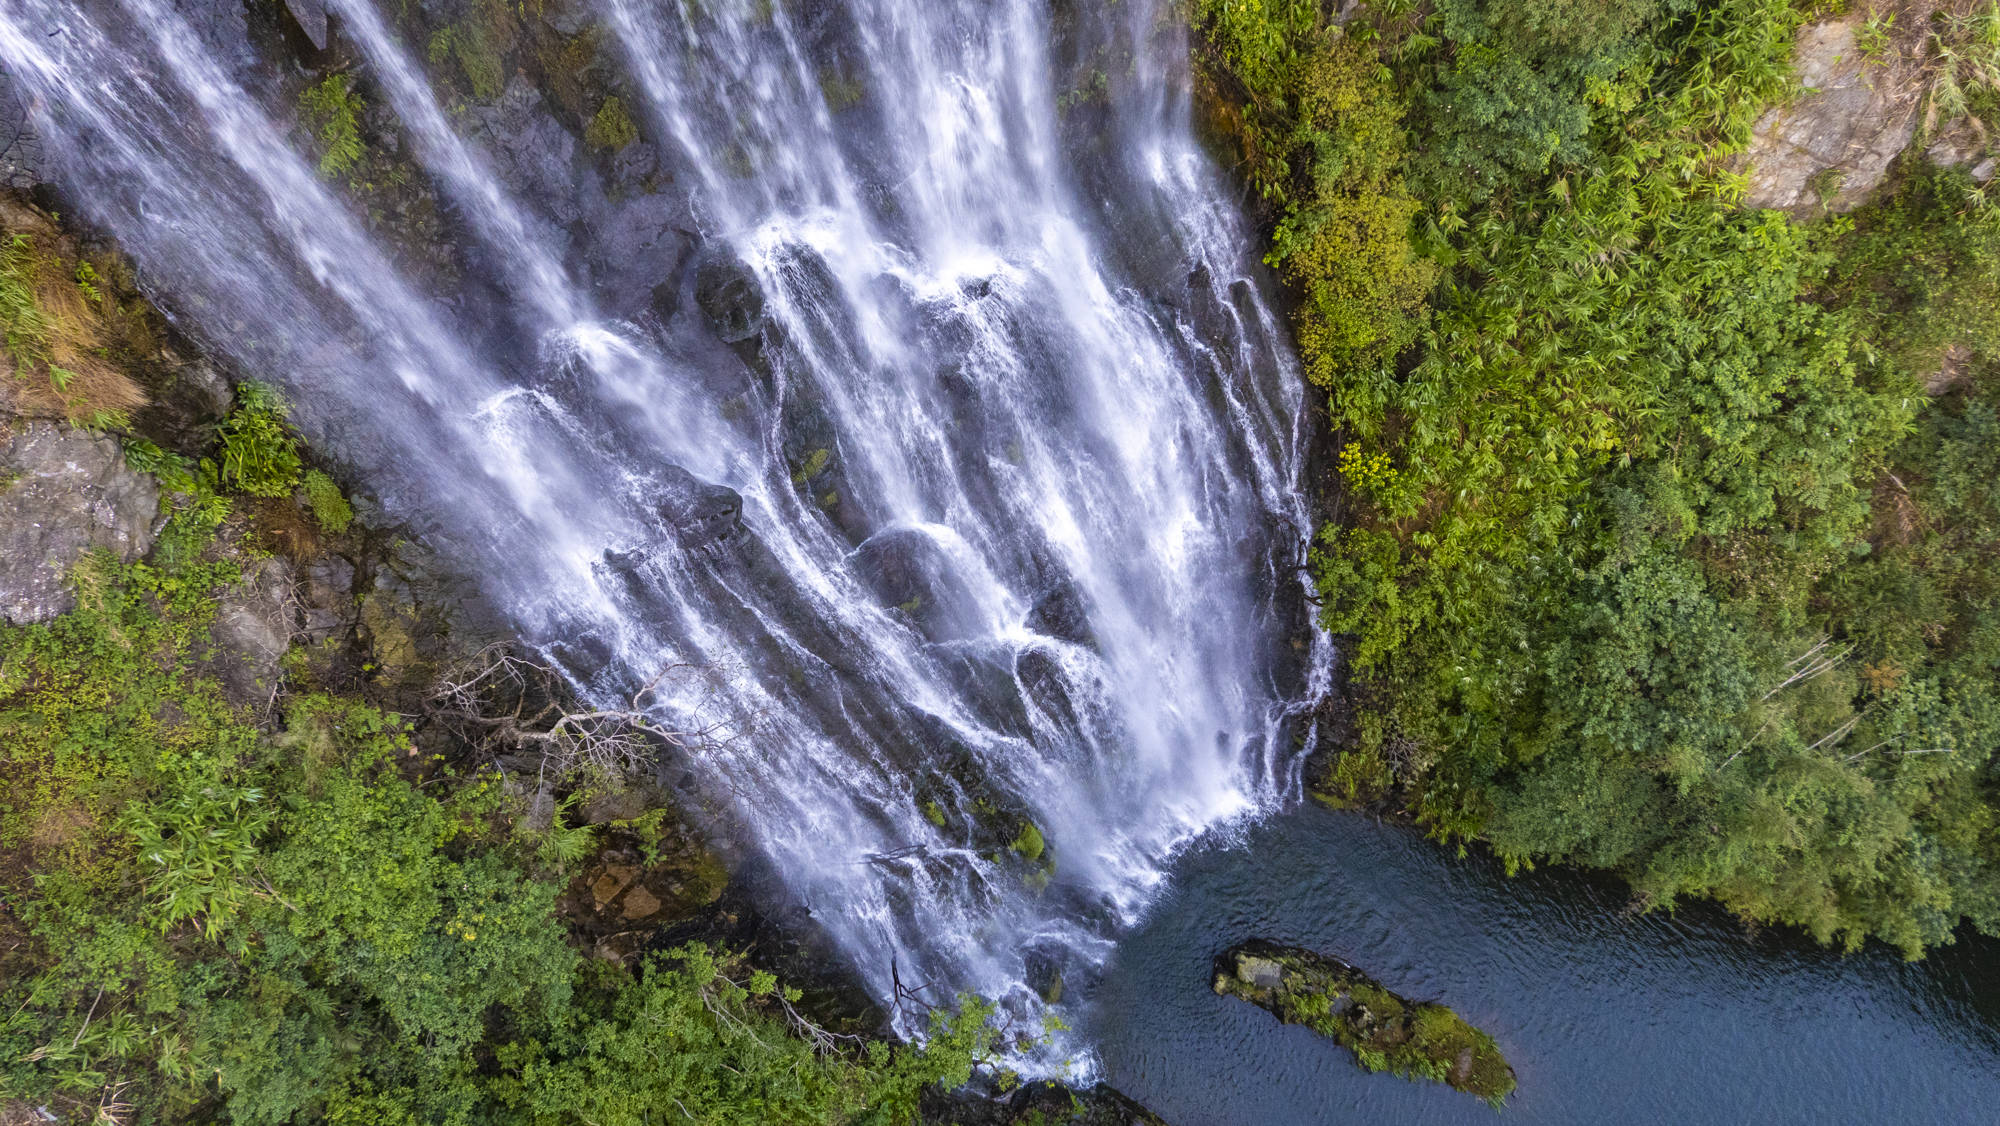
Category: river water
[1607,1017]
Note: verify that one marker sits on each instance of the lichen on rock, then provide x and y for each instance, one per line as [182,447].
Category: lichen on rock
[1385,1032]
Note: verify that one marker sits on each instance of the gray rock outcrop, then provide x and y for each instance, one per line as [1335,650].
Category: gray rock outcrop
[64,492]
[311,17]
[254,623]
[1862,105]
[1834,142]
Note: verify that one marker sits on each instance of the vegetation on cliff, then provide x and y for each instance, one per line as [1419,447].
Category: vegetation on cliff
[1671,517]
[1385,1032]
[209,920]
[279,897]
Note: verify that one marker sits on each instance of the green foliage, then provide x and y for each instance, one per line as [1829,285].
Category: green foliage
[566,844]
[1508,87]
[25,329]
[1872,38]
[687,1034]
[1660,563]
[198,850]
[1320,130]
[1922,266]
[60,331]
[1965,56]
[211,923]
[259,455]
[328,506]
[175,473]
[331,112]
[611,129]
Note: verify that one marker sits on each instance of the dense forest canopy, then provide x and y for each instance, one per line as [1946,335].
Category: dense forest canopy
[1674,517]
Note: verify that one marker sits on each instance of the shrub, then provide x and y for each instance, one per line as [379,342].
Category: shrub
[259,455]
[373,945]
[1659,562]
[1320,129]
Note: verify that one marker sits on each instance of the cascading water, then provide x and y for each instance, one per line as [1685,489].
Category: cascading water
[928,410]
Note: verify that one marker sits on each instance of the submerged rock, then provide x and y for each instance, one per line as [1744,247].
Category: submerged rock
[64,492]
[1041,1103]
[1384,1031]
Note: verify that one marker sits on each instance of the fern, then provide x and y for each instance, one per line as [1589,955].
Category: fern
[332,112]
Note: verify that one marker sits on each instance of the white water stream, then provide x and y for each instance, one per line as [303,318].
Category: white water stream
[990,511]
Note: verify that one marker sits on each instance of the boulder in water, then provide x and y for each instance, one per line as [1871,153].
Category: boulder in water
[1062,613]
[703,513]
[730,297]
[1384,1031]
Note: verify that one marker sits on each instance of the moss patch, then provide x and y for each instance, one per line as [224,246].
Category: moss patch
[612,128]
[1385,1032]
[1028,842]
[328,506]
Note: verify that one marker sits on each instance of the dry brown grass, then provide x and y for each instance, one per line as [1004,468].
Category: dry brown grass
[59,336]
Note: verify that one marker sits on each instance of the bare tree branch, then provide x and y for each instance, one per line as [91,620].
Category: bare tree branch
[519,703]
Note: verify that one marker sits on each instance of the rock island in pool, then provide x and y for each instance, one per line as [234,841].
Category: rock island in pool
[1384,1031]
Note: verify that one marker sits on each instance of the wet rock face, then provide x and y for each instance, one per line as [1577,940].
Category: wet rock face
[254,623]
[530,149]
[701,512]
[909,571]
[1062,612]
[311,18]
[731,299]
[22,158]
[1037,1104]
[638,244]
[64,492]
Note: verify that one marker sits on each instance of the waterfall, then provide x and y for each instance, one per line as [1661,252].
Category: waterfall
[909,378]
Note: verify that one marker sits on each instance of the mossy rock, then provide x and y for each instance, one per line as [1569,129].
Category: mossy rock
[1384,1031]
[611,129]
